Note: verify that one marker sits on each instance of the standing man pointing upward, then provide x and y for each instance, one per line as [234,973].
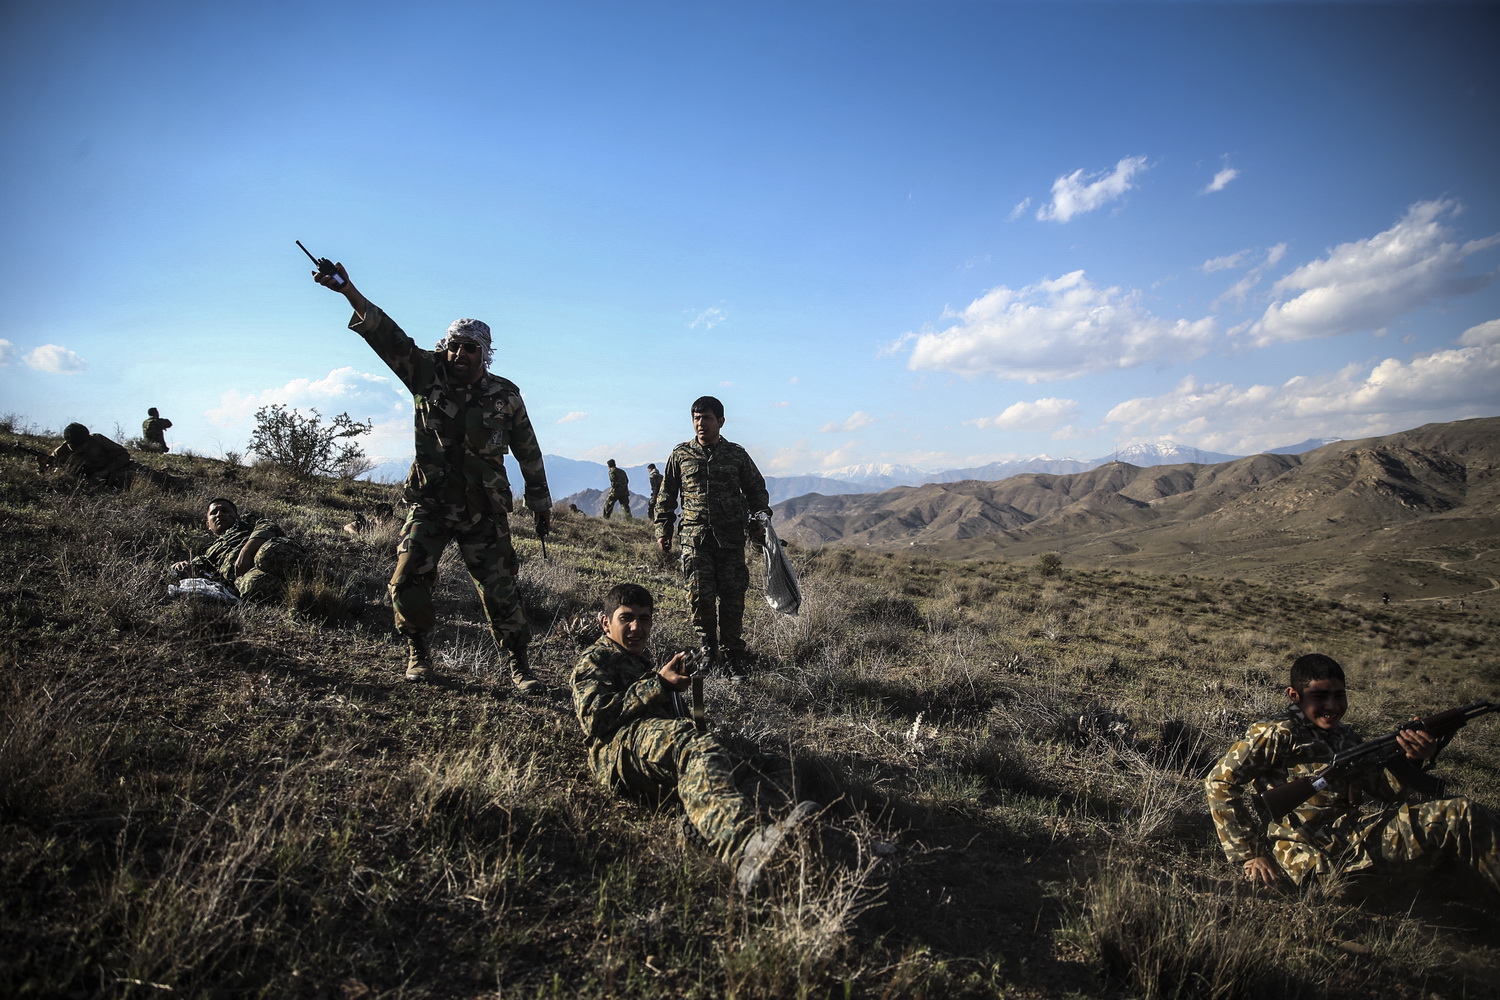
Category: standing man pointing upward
[466,419]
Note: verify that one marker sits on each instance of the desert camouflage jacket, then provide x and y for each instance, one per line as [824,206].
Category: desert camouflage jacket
[98,456]
[1321,834]
[219,558]
[720,488]
[462,431]
[612,687]
[619,483]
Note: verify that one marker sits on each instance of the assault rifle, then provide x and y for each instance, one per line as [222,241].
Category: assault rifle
[692,659]
[43,459]
[1381,752]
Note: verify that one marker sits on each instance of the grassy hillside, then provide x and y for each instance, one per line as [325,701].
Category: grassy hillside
[198,800]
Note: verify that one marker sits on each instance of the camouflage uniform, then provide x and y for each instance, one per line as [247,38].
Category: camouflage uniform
[619,492]
[277,559]
[654,477]
[637,744]
[720,488]
[97,458]
[1329,833]
[151,433]
[457,486]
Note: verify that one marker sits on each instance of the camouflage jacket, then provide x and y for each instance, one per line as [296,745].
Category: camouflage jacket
[462,431]
[1320,835]
[152,427]
[220,557]
[612,688]
[720,488]
[619,483]
[655,479]
[98,456]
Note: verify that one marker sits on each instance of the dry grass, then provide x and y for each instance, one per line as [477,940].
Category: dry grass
[212,801]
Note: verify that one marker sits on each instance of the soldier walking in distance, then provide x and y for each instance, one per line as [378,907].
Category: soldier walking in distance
[654,478]
[151,431]
[466,419]
[619,490]
[720,488]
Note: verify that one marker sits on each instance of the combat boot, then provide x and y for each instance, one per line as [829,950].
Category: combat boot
[419,659]
[520,673]
[763,843]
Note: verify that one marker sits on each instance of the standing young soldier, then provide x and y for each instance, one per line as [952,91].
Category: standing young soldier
[466,419]
[720,488]
[619,490]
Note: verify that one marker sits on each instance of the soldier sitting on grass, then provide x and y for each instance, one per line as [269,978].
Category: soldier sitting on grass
[250,554]
[92,457]
[1328,834]
[638,743]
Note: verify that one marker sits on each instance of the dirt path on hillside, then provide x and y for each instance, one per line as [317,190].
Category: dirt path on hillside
[1448,565]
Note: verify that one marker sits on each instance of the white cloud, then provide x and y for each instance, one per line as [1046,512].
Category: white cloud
[55,359]
[1043,414]
[1240,290]
[782,403]
[573,417]
[7,352]
[1368,283]
[708,318]
[1481,335]
[1055,329]
[1076,193]
[1221,180]
[855,421]
[1225,262]
[364,396]
[1019,210]
[1353,402]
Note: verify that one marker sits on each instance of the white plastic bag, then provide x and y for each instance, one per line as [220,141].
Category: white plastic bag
[783,591]
[197,586]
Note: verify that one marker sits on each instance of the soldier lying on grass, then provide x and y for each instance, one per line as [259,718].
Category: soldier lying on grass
[639,745]
[1328,833]
[252,555]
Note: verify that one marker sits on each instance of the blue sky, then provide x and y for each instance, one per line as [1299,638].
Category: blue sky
[930,233]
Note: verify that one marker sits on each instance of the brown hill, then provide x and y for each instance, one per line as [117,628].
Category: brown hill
[1414,514]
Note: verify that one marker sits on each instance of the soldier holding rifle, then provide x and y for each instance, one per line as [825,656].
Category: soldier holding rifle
[1327,832]
[466,419]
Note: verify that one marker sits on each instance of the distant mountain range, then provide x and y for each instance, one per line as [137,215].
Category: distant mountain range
[1418,510]
[568,476]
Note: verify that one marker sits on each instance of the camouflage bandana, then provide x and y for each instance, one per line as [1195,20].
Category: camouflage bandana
[470,329]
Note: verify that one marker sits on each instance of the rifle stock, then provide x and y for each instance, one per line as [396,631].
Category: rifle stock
[1380,752]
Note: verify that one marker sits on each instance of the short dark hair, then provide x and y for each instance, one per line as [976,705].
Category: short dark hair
[1314,667]
[151,412]
[650,465]
[222,500]
[632,594]
[75,434]
[708,404]
[610,463]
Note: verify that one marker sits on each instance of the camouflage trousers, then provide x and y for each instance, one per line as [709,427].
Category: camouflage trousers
[623,501]
[276,561]
[716,578]
[655,758]
[488,556]
[1422,836]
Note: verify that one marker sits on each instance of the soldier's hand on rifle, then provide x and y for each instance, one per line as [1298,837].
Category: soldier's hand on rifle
[1418,744]
[1262,871]
[543,521]
[672,677]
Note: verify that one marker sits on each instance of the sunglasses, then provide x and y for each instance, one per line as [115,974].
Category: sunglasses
[465,346]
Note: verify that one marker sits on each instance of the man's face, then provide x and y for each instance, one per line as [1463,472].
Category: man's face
[1323,703]
[464,359]
[629,625]
[706,427]
[220,517]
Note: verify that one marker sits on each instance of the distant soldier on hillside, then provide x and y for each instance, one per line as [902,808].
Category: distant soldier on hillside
[152,427]
[720,489]
[466,420]
[654,478]
[251,554]
[93,457]
[638,743]
[619,490]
